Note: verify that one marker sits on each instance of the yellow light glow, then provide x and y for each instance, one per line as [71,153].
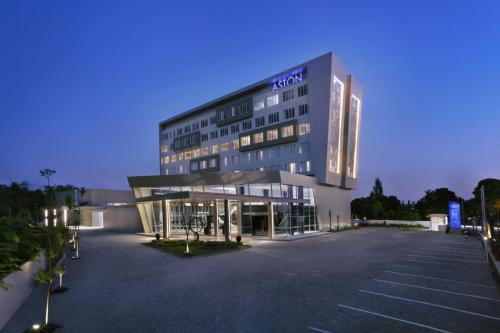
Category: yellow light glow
[339,155]
[36,326]
[355,164]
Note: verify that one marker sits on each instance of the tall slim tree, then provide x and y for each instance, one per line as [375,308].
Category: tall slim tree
[377,191]
[47,173]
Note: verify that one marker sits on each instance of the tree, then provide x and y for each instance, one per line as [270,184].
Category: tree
[47,173]
[491,193]
[377,191]
[436,201]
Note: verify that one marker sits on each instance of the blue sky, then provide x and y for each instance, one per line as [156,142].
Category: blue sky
[84,84]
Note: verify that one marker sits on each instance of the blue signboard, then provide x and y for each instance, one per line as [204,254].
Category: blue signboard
[454,215]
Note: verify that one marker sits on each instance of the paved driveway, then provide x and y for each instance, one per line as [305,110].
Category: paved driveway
[368,280]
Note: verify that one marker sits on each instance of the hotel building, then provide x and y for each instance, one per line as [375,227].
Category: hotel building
[277,158]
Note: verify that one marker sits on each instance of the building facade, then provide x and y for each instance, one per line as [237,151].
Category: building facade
[283,152]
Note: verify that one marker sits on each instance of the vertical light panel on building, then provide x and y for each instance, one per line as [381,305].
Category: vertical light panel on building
[352,148]
[335,144]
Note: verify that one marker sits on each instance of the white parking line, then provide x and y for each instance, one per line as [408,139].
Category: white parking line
[454,254]
[439,270]
[441,279]
[440,290]
[394,318]
[426,262]
[449,259]
[430,304]
[318,330]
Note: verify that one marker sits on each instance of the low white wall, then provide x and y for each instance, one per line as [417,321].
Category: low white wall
[21,285]
[426,224]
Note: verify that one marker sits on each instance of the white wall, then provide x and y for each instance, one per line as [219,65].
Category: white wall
[22,285]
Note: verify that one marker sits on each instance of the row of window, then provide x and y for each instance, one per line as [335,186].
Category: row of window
[292,167]
[287,95]
[272,153]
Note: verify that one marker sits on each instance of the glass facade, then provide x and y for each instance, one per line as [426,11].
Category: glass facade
[246,217]
[352,136]
[335,132]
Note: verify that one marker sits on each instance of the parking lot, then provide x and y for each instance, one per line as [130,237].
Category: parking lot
[440,285]
[367,280]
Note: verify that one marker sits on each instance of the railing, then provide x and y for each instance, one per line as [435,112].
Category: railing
[284,225]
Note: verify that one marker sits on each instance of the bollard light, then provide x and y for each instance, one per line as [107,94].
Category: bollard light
[36,327]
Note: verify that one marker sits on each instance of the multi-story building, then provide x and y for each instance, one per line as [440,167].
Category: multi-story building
[282,154]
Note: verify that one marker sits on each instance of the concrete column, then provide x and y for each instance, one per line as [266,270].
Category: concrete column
[169,220]
[227,222]
[270,220]
[216,222]
[240,217]
[164,218]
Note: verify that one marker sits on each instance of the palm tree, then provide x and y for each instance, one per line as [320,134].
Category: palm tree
[47,173]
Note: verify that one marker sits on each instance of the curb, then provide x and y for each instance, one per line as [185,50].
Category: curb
[494,264]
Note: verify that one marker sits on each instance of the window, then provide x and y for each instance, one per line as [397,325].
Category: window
[196,152]
[225,160]
[258,105]
[274,117]
[204,151]
[187,129]
[194,166]
[235,128]
[204,137]
[167,159]
[214,135]
[187,154]
[179,131]
[260,155]
[215,149]
[174,158]
[258,137]
[287,95]
[272,134]
[236,144]
[224,131]
[308,166]
[224,146]
[247,125]
[164,148]
[303,109]
[292,167]
[213,119]
[304,128]
[195,126]
[245,140]
[272,100]
[304,147]
[212,163]
[302,90]
[204,123]
[203,164]
[180,156]
[289,113]
[260,121]
[287,131]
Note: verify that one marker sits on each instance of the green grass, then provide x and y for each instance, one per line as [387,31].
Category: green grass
[196,248]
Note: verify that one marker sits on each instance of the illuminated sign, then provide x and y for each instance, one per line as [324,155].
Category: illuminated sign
[289,79]
[454,213]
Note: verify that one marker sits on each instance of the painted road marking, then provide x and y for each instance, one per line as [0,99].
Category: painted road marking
[425,262]
[318,330]
[440,258]
[394,318]
[441,279]
[454,254]
[430,304]
[440,290]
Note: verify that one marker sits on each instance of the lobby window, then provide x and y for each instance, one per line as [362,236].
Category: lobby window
[194,166]
[247,125]
[292,167]
[235,128]
[287,131]
[260,121]
[258,104]
[289,113]
[204,151]
[224,146]
[212,163]
[236,144]
[215,149]
[224,131]
[272,100]
[214,135]
[245,140]
[258,137]
[288,95]
[303,109]
[274,117]
[203,164]
[204,123]
[272,134]
[304,128]
[302,90]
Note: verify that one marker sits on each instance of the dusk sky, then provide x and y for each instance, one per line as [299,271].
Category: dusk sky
[83,84]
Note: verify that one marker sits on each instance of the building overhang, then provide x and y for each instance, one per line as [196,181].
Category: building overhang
[206,196]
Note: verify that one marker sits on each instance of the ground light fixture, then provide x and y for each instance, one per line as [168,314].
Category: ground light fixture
[35,327]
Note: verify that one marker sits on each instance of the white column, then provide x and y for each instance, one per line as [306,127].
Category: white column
[270,220]
[216,222]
